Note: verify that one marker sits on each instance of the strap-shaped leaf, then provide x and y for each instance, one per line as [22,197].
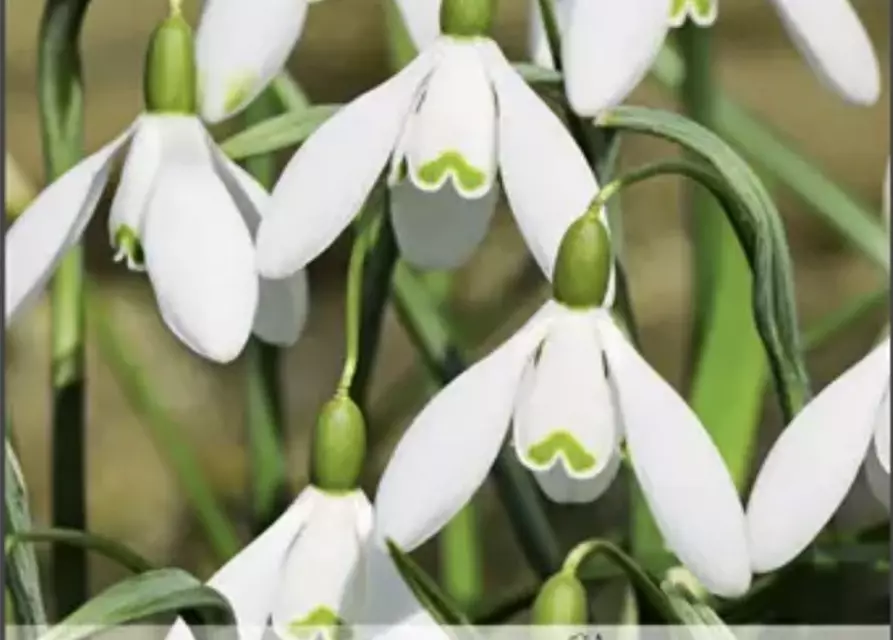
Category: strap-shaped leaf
[438,604]
[164,591]
[280,132]
[111,549]
[757,224]
[22,578]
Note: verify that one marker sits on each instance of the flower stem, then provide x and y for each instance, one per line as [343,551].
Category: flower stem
[60,95]
[366,231]
[265,429]
[637,576]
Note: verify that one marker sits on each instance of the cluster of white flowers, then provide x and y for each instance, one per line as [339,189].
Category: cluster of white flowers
[225,259]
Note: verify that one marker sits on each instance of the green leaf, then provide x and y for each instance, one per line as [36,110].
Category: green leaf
[290,93]
[280,132]
[111,549]
[534,74]
[759,229]
[775,155]
[424,587]
[165,591]
[22,577]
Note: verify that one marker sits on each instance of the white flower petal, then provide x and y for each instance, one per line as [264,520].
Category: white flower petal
[439,230]
[683,477]
[537,42]
[198,250]
[453,136]
[422,20]
[565,429]
[546,178]
[447,451]
[814,462]
[53,223]
[250,580]
[140,168]
[608,48]
[323,571]
[836,45]
[283,305]
[240,47]
[326,182]
[882,432]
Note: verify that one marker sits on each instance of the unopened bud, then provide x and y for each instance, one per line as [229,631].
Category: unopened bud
[339,445]
[583,265]
[170,76]
[561,602]
[466,18]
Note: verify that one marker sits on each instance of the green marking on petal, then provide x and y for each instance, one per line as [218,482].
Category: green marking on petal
[320,619]
[237,91]
[543,452]
[468,177]
[678,11]
[704,11]
[127,244]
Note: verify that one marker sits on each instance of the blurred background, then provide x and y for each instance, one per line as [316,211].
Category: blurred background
[134,497]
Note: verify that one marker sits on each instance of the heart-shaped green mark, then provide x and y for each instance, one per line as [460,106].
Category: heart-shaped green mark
[318,619]
[702,11]
[558,442]
[468,177]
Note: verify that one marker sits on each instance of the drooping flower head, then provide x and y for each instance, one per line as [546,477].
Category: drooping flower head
[183,212]
[446,127]
[573,389]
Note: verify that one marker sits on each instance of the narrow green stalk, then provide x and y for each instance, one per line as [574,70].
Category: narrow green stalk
[354,306]
[166,433]
[636,575]
[381,258]
[111,549]
[60,96]
[265,427]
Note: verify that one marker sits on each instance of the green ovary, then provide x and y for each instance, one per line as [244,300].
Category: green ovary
[543,452]
[468,177]
[320,618]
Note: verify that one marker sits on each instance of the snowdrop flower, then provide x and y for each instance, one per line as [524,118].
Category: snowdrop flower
[321,564]
[314,569]
[609,46]
[573,388]
[182,212]
[240,47]
[452,119]
[815,461]
[422,20]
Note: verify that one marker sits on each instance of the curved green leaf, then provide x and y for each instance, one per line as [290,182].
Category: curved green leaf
[111,549]
[280,132]
[22,578]
[758,226]
[165,591]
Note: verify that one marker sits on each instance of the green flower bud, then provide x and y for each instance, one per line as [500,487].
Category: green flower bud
[583,265]
[466,18]
[561,602]
[169,84]
[339,446]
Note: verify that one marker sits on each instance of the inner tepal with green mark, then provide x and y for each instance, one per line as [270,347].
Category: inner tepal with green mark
[562,442]
[469,178]
[320,623]
[701,9]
